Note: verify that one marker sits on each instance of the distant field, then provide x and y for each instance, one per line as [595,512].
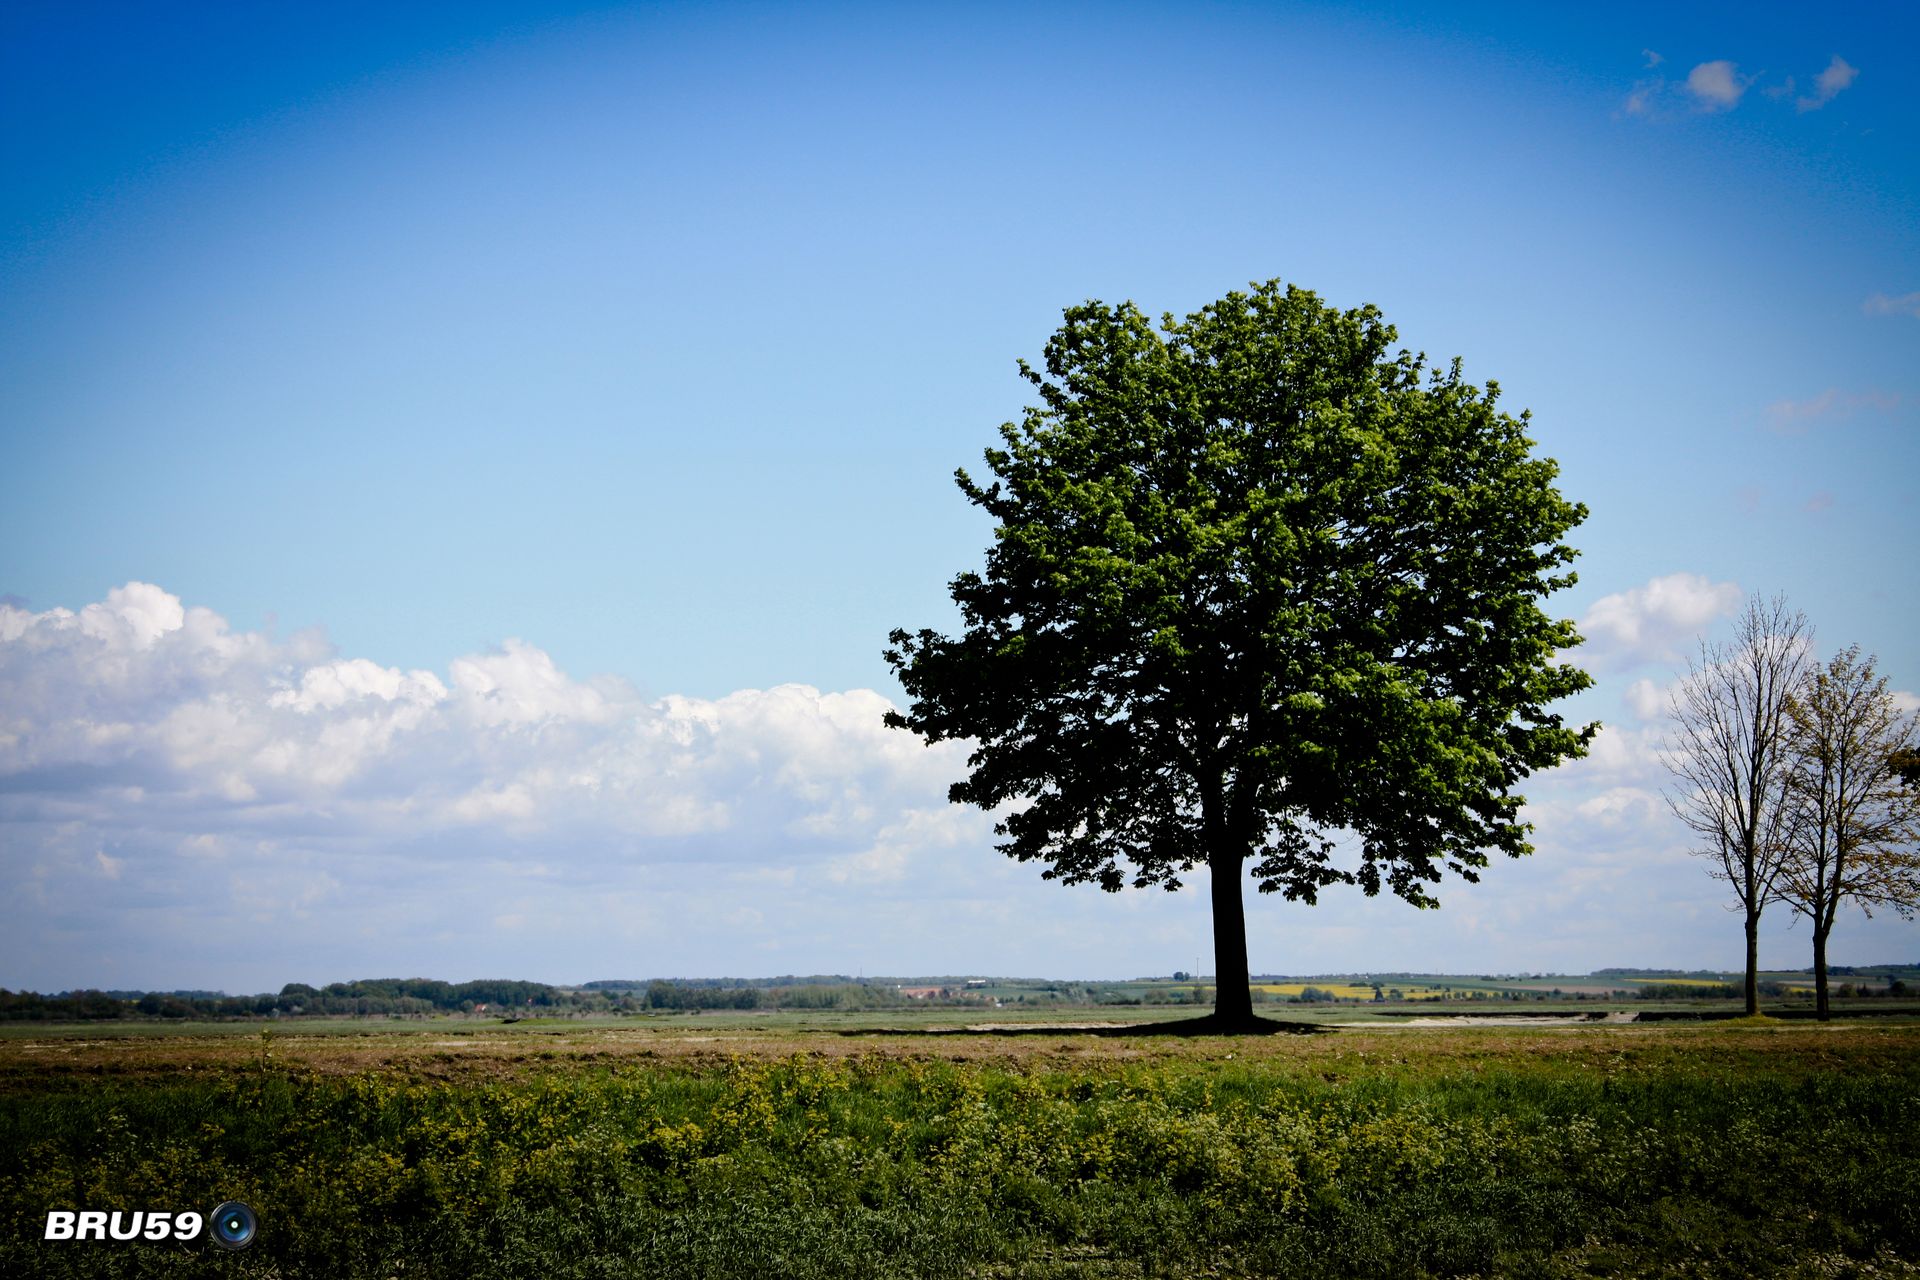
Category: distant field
[918,1145]
[1347,990]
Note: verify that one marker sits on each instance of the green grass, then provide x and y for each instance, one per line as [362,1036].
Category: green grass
[1723,1152]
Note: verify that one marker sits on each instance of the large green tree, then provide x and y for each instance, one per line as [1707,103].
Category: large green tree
[1263,595]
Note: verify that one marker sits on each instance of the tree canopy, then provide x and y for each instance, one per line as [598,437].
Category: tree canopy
[1261,591]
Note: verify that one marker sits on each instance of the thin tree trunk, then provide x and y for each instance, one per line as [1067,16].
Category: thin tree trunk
[1822,1009]
[1753,963]
[1233,986]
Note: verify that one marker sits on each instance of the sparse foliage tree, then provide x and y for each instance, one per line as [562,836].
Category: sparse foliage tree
[1854,826]
[1729,756]
[1257,586]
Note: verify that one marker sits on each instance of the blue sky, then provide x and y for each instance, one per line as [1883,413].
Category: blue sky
[494,442]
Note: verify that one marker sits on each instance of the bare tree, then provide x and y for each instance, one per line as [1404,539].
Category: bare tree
[1854,826]
[1727,752]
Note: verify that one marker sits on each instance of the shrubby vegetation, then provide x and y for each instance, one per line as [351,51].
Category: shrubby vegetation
[1690,991]
[914,1168]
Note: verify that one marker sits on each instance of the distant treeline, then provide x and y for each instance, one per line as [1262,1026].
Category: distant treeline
[784,980]
[420,997]
[368,997]
[840,994]
[506,997]
[1835,970]
[1657,973]
[1772,989]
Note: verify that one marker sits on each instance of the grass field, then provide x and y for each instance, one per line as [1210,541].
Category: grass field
[919,1145]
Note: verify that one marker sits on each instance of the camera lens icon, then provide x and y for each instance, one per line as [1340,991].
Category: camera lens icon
[232,1225]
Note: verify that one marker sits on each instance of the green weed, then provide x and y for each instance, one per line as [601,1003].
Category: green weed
[883,1167]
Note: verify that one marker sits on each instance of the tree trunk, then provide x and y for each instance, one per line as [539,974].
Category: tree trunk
[1753,963]
[1822,1010]
[1233,986]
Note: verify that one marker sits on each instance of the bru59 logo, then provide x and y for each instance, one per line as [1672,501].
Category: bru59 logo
[231,1226]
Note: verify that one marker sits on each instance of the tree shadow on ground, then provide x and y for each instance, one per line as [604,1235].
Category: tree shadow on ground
[1207,1026]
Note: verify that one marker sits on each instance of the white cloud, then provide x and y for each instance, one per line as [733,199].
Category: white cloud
[332,685]
[1656,622]
[1621,757]
[519,685]
[1880,304]
[1652,58]
[138,610]
[137,714]
[1646,699]
[1829,83]
[1716,86]
[894,848]
[489,803]
[1624,806]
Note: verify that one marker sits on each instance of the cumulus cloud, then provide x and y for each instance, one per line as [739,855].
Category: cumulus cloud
[1716,86]
[1656,622]
[1880,304]
[1624,806]
[1828,84]
[1623,757]
[1646,699]
[175,742]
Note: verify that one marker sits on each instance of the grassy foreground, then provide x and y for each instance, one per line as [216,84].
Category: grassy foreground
[1629,1151]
